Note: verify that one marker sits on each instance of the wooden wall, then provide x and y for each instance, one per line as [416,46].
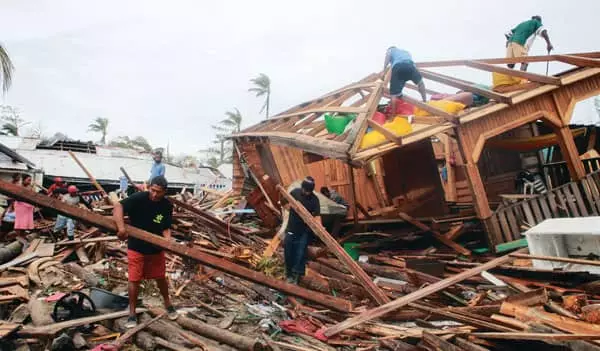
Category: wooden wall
[412,180]
[332,173]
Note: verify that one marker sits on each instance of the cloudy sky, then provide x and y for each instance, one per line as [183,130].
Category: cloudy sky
[167,70]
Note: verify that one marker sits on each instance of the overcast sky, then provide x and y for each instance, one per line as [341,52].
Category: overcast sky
[167,70]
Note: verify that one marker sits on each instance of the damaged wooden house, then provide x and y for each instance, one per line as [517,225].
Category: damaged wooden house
[504,153]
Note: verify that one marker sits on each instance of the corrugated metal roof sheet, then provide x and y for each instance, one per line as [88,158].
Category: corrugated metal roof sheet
[59,164]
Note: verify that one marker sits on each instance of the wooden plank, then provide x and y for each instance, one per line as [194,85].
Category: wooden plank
[439,343]
[514,73]
[537,211]
[414,296]
[515,228]
[557,259]
[469,346]
[88,173]
[536,336]
[45,250]
[545,208]
[494,232]
[466,86]
[504,225]
[7,329]
[569,152]
[562,202]
[578,60]
[359,128]
[388,134]
[570,199]
[451,244]
[49,330]
[579,200]
[433,110]
[338,109]
[551,196]
[377,294]
[23,194]
[594,196]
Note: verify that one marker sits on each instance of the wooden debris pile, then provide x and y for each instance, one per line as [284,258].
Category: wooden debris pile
[230,295]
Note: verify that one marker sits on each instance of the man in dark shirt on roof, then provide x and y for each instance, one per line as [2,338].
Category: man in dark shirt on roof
[520,39]
[298,234]
[152,212]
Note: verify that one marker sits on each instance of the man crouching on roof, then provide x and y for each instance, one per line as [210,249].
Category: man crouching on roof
[152,212]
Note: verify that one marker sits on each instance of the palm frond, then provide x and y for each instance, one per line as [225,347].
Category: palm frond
[7,69]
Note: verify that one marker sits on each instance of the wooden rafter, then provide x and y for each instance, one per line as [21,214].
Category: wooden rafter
[466,86]
[515,73]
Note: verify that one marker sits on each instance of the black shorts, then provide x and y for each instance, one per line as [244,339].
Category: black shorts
[401,73]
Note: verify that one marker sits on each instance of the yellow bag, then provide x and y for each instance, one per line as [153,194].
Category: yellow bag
[500,79]
[399,126]
[451,107]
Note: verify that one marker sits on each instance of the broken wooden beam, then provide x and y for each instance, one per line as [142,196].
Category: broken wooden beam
[557,259]
[441,238]
[88,173]
[107,223]
[363,279]
[208,219]
[412,297]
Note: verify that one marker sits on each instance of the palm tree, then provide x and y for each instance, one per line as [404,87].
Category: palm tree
[233,120]
[262,87]
[100,125]
[12,120]
[7,69]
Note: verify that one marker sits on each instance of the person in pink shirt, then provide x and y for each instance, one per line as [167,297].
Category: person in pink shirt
[24,211]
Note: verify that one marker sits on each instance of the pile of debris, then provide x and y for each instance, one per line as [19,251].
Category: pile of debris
[226,278]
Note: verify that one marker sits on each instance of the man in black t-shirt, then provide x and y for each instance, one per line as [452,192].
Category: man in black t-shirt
[298,234]
[152,212]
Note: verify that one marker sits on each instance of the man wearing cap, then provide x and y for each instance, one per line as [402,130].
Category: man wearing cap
[73,198]
[57,188]
[298,234]
[153,212]
[520,39]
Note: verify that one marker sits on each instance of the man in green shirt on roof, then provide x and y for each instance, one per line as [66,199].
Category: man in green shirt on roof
[520,38]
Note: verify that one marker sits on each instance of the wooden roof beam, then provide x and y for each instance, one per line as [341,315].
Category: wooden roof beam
[433,110]
[466,86]
[515,73]
[388,134]
[340,109]
[578,60]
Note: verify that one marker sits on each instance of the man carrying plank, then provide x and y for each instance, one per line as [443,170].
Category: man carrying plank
[152,212]
[297,234]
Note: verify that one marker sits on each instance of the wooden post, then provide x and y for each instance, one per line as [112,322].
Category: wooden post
[570,153]
[87,172]
[482,206]
[353,194]
[23,194]
[364,280]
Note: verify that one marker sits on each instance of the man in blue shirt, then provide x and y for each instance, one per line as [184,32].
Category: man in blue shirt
[403,70]
[158,168]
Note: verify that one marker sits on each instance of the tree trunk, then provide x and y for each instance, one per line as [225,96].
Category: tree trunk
[10,251]
[223,336]
[88,277]
[142,339]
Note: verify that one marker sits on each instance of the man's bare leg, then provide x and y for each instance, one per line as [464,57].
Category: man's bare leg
[163,286]
[133,290]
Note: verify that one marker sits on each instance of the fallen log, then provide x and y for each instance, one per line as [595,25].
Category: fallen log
[52,329]
[143,339]
[108,224]
[412,297]
[223,336]
[363,279]
[10,251]
[121,340]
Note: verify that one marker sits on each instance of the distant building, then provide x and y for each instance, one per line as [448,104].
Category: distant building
[51,158]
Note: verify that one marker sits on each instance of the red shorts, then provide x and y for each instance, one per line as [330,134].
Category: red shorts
[143,267]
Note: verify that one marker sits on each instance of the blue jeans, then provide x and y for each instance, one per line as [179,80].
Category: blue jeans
[61,222]
[295,252]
